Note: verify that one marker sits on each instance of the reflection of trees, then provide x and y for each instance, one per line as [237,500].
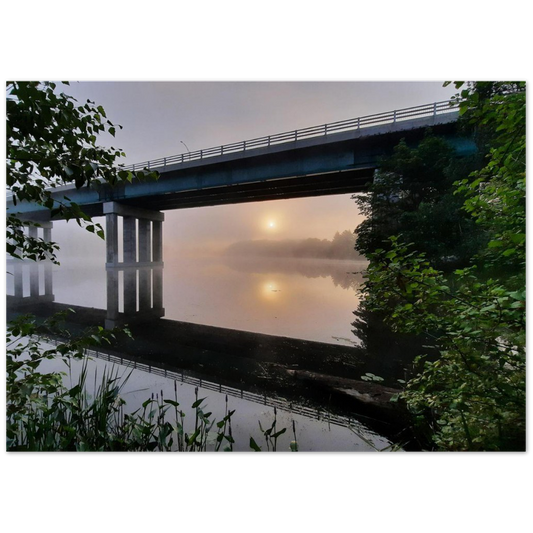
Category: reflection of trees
[381,351]
[387,353]
[344,274]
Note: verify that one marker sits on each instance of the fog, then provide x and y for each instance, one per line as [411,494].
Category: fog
[158,116]
[284,267]
[208,231]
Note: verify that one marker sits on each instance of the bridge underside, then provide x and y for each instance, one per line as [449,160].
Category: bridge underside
[349,181]
[338,164]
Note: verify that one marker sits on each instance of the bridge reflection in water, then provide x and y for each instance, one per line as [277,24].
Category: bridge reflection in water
[275,371]
[315,429]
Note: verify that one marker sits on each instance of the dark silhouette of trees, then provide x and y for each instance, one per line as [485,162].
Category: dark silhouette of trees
[342,246]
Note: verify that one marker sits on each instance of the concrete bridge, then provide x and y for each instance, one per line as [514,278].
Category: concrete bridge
[334,158]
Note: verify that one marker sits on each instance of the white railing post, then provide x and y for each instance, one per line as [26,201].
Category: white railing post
[244,146]
[435,109]
[325,129]
[269,140]
[394,119]
[359,123]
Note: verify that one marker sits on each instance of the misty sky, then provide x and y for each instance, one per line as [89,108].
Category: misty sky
[157,116]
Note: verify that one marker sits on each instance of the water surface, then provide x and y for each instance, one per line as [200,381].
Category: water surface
[305,299]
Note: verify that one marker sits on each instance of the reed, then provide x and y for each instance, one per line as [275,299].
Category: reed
[46,414]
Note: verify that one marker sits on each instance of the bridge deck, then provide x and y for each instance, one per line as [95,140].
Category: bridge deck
[330,159]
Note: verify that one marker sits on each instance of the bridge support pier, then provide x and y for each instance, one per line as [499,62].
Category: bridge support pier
[142,264]
[37,294]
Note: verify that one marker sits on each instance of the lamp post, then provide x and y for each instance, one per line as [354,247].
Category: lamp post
[187,149]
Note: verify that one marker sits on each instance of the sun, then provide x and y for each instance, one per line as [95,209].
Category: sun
[270,223]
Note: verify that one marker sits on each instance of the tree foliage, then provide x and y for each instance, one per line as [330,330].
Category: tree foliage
[472,397]
[52,142]
[413,194]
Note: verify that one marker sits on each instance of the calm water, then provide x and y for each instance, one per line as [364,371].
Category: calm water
[305,299]
[312,434]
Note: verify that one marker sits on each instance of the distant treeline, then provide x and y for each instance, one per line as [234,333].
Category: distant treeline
[340,247]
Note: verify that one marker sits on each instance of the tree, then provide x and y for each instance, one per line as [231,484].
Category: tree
[472,397]
[51,141]
[412,194]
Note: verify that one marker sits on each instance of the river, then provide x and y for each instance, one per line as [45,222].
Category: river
[304,299]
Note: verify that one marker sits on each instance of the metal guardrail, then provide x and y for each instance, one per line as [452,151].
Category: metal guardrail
[389,117]
[279,403]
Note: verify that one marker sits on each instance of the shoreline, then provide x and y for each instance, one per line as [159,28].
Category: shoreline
[307,371]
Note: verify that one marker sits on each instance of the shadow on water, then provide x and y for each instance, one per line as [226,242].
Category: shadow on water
[318,374]
[304,372]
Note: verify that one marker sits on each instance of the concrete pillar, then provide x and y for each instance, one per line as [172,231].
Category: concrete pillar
[35,288]
[130,273]
[149,263]
[34,268]
[111,238]
[17,279]
[157,256]
[48,282]
[145,302]
[112,273]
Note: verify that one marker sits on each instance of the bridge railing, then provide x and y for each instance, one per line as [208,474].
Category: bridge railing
[389,117]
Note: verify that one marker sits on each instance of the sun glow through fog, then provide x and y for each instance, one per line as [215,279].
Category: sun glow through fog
[268,224]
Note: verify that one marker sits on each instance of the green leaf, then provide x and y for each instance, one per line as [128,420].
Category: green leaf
[192,438]
[518,238]
[254,445]
[276,435]
[197,403]
[75,390]
[518,295]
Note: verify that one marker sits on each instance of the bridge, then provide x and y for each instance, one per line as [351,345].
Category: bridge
[334,158]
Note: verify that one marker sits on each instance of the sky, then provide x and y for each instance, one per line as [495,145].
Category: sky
[163,118]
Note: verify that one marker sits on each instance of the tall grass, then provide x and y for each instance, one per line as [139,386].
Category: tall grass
[44,413]
[72,419]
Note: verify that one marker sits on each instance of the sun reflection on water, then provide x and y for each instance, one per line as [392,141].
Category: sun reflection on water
[270,291]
